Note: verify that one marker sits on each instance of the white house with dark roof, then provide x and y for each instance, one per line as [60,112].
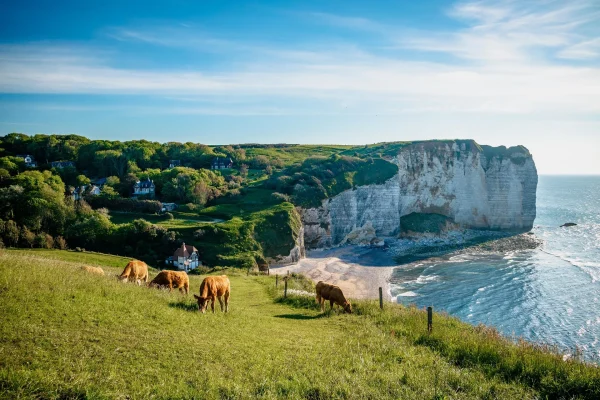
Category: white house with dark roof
[221,163]
[184,258]
[144,188]
[28,159]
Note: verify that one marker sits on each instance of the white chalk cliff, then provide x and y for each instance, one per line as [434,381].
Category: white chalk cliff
[475,186]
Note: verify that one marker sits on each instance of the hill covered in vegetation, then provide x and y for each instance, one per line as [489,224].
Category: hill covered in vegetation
[239,216]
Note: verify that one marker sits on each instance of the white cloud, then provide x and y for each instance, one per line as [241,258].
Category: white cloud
[505,64]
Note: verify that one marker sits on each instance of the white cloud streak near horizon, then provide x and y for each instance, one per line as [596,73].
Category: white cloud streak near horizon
[508,58]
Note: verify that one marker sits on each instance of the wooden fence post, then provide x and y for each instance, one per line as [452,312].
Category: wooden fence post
[285,290]
[429,319]
[381,298]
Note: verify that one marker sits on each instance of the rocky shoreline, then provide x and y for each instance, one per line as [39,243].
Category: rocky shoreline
[360,270]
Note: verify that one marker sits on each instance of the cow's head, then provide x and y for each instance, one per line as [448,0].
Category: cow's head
[121,278]
[348,307]
[202,303]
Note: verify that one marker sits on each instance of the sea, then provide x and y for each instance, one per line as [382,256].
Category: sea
[549,295]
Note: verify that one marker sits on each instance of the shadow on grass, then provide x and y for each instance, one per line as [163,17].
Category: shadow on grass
[300,316]
[184,306]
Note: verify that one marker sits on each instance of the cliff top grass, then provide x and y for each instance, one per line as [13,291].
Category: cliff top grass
[67,334]
[318,178]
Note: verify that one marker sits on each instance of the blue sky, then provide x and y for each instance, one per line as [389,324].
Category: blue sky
[499,71]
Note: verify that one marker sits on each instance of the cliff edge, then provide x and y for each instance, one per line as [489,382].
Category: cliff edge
[457,182]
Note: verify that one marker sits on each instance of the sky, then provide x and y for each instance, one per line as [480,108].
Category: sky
[502,72]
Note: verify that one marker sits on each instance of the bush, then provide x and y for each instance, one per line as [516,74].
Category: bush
[169,216]
[60,243]
[126,205]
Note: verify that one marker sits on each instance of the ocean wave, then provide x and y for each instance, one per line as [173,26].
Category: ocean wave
[408,294]
[589,267]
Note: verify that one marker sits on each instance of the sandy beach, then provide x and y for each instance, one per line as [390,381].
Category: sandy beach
[358,271]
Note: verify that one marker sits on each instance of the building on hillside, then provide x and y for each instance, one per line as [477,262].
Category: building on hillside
[184,258]
[99,182]
[174,163]
[221,163]
[62,164]
[144,188]
[29,161]
[168,207]
[84,190]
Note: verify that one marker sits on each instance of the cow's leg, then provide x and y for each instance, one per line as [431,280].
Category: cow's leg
[221,302]
[212,304]
[170,287]
[322,304]
[227,301]
[186,287]
[331,304]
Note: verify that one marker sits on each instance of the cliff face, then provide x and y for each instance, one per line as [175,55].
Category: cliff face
[474,186]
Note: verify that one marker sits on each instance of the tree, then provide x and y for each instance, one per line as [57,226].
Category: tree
[11,233]
[4,174]
[60,243]
[82,180]
[244,170]
[27,237]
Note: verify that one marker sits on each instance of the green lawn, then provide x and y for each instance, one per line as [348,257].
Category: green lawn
[68,334]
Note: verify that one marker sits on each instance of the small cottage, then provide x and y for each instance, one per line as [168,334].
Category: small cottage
[221,163]
[62,164]
[184,258]
[174,163]
[81,191]
[28,159]
[144,188]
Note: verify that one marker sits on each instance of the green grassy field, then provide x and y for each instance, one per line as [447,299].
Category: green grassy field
[68,334]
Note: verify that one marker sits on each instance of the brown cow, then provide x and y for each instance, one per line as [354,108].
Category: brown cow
[334,294]
[93,270]
[211,288]
[178,279]
[135,271]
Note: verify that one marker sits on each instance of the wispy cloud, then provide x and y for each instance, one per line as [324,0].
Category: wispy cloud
[508,58]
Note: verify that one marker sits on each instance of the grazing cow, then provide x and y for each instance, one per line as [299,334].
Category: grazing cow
[170,279]
[135,271]
[93,270]
[334,294]
[211,288]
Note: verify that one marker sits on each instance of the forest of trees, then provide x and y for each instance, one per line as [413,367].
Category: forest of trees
[38,206]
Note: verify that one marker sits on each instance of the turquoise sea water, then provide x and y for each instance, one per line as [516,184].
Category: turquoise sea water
[549,295]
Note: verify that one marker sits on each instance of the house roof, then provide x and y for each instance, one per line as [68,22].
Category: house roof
[185,250]
[99,181]
[145,183]
[222,161]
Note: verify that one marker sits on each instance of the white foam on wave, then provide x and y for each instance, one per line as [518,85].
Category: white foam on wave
[408,294]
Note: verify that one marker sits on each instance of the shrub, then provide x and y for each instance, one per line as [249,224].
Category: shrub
[169,216]
[127,205]
[60,243]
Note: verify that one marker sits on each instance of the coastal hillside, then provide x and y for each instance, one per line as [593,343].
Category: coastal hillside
[69,334]
[251,205]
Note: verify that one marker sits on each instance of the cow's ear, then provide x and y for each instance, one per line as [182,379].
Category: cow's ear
[197,298]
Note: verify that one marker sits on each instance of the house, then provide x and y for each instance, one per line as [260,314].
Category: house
[99,182]
[174,163]
[221,163]
[62,164]
[82,191]
[29,161]
[168,207]
[185,258]
[144,188]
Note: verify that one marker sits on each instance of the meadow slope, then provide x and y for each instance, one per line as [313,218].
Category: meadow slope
[68,334]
